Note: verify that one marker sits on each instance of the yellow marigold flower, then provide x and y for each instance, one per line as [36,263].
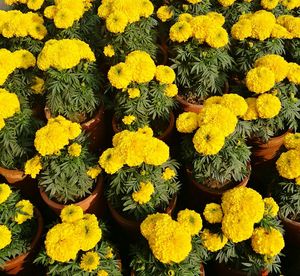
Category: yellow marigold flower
[64,18]
[142,66]
[268,106]
[294,73]
[190,220]
[288,164]
[213,213]
[60,243]
[109,254]
[110,161]
[213,241]
[104,9]
[5,235]
[94,172]
[290,4]
[109,51]
[218,18]
[24,211]
[260,79]
[165,74]
[38,86]
[5,192]
[251,113]
[241,29]
[116,22]
[133,93]
[263,23]
[292,141]
[279,31]
[24,59]
[217,37]
[9,104]
[89,261]
[146,130]
[187,122]
[102,273]
[267,242]
[226,3]
[208,140]
[293,26]
[276,64]
[200,25]
[50,12]
[171,90]
[194,1]
[120,75]
[271,207]
[74,150]
[71,213]
[158,153]
[146,8]
[143,195]
[181,31]
[213,100]
[185,17]
[269,4]
[128,120]
[168,174]
[33,166]
[235,103]
[164,13]
[2,123]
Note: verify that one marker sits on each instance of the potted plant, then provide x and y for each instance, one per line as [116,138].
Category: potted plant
[169,247]
[287,191]
[214,149]
[77,246]
[143,97]
[21,227]
[243,233]
[66,169]
[142,178]
[127,26]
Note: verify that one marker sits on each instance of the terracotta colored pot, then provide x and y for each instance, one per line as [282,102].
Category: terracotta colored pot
[292,231]
[93,204]
[262,152]
[202,271]
[12,176]
[131,226]
[225,270]
[166,136]
[199,195]
[188,107]
[95,128]
[24,262]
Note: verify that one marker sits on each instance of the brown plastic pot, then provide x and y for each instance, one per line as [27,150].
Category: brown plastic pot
[24,262]
[166,136]
[188,107]
[292,231]
[131,226]
[93,204]
[225,270]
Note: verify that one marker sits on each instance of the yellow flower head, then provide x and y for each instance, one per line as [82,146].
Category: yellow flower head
[120,75]
[110,161]
[262,23]
[71,213]
[164,13]
[217,37]
[213,213]
[194,1]
[24,211]
[33,166]
[267,242]
[165,74]
[5,192]
[235,103]
[5,235]
[89,261]
[116,22]
[94,172]
[200,25]
[102,273]
[241,29]
[212,241]
[145,130]
[279,31]
[290,4]
[74,150]
[226,3]
[190,220]
[271,207]
[185,17]
[128,120]
[181,31]
[294,73]
[260,79]
[292,141]
[218,18]
[38,86]
[268,106]
[168,174]
[187,122]
[109,51]
[109,254]
[133,93]
[251,113]
[171,90]
[208,140]
[269,4]
[143,195]
[288,164]
[9,104]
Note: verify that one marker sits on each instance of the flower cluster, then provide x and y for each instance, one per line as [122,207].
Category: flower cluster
[204,28]
[64,54]
[268,5]
[119,14]
[262,25]
[9,105]
[216,121]
[10,61]
[65,12]
[31,4]
[133,149]
[53,137]
[17,24]
[165,234]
